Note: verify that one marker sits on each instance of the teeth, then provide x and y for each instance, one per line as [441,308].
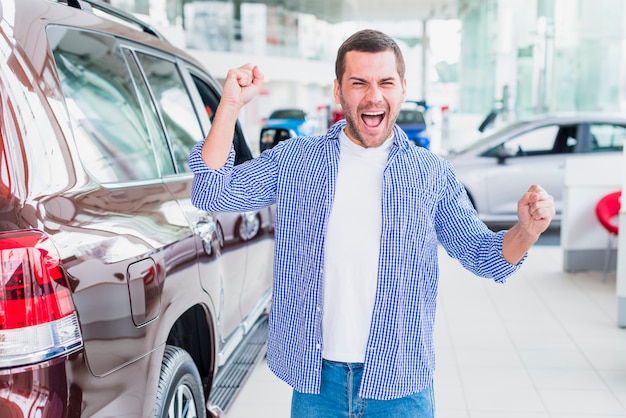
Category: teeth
[373,113]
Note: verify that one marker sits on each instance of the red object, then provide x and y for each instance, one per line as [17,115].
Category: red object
[607,209]
[33,287]
[335,116]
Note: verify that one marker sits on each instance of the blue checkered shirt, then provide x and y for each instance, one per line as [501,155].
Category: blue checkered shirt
[423,204]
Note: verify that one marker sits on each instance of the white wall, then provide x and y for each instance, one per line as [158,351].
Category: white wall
[621,254]
[587,179]
[583,239]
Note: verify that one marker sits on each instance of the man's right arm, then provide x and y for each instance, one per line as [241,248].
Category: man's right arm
[241,85]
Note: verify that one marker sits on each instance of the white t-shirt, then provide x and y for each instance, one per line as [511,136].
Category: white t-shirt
[351,250]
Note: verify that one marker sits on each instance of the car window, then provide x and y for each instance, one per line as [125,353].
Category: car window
[272,136]
[162,150]
[410,117]
[210,100]
[607,137]
[108,118]
[533,142]
[175,106]
[568,137]
[288,114]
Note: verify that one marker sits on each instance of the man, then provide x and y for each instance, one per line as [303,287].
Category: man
[359,215]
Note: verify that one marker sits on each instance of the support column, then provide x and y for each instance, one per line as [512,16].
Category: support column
[621,257]
[425,46]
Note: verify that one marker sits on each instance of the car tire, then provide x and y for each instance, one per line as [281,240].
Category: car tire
[180,393]
[220,234]
[248,230]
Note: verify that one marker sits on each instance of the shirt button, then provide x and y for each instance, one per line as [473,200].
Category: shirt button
[318,346]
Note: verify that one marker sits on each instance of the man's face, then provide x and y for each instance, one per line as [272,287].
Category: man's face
[371,93]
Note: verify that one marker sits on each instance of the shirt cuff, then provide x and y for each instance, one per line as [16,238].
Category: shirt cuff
[197,164]
[505,269]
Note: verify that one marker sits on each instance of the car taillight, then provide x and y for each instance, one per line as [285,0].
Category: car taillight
[37,316]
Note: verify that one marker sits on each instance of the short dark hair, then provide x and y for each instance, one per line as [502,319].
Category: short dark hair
[368,40]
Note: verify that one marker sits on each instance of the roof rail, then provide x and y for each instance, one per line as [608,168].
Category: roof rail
[108,9]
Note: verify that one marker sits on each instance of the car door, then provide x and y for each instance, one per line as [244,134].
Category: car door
[183,129]
[252,230]
[123,237]
[535,156]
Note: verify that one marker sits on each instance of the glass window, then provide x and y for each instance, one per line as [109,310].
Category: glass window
[607,137]
[533,142]
[288,114]
[410,117]
[162,150]
[272,136]
[107,115]
[210,100]
[177,111]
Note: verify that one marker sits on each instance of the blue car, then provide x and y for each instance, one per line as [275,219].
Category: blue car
[284,124]
[411,119]
[269,137]
[292,119]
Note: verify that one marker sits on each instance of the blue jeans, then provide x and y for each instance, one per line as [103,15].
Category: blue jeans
[339,398]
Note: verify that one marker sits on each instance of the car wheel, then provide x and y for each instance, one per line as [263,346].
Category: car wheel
[220,234]
[248,228]
[180,393]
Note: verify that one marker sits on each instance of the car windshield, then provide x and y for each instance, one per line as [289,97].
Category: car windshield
[502,132]
[288,114]
[408,116]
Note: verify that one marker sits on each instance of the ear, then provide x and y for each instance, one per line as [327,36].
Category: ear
[337,91]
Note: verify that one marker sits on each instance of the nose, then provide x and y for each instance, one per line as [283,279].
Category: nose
[374,93]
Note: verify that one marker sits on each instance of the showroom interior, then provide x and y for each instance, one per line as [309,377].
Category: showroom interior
[549,344]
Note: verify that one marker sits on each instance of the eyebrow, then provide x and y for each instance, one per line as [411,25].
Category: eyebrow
[355,78]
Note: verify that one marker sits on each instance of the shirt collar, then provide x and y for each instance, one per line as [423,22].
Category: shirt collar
[382,149]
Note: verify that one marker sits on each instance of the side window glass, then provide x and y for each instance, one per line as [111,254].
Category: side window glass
[607,137]
[174,104]
[408,116]
[162,150]
[567,138]
[272,136]
[534,142]
[210,100]
[107,115]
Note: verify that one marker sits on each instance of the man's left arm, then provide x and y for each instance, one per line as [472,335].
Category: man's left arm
[535,211]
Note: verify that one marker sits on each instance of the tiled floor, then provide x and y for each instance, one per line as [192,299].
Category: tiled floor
[544,345]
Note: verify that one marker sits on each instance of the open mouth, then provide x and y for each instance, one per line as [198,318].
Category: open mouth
[372,119]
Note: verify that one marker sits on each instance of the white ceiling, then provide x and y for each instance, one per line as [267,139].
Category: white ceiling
[401,9]
[336,11]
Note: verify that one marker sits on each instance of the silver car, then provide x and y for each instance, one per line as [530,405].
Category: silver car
[498,168]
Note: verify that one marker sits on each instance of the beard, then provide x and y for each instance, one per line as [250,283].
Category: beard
[354,133]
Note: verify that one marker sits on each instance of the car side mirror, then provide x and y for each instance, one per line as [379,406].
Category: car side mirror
[504,153]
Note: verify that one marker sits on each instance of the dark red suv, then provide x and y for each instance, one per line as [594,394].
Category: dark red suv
[117,296]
